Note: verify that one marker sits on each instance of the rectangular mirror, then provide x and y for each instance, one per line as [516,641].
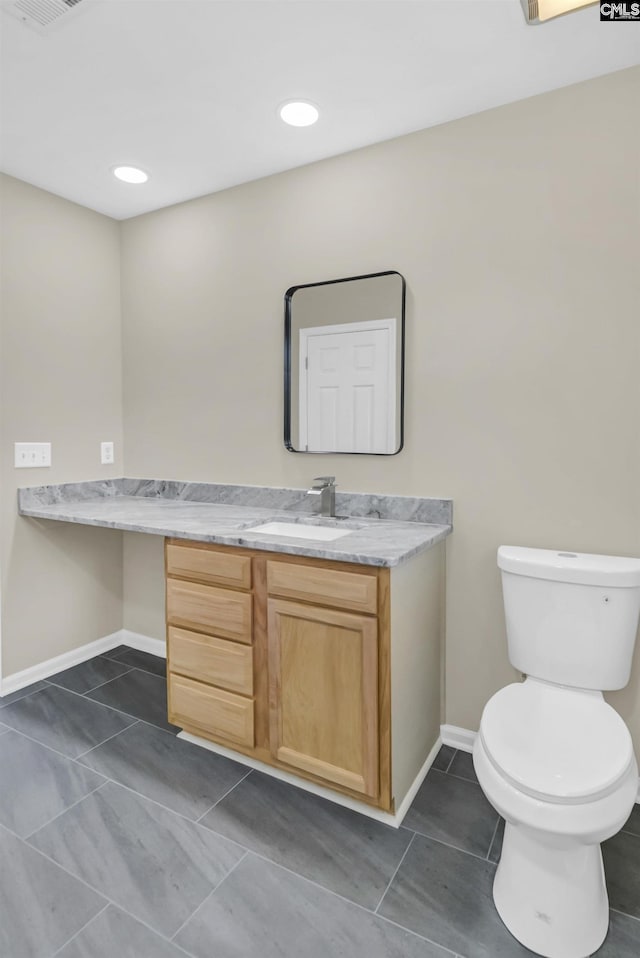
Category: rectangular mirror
[344,365]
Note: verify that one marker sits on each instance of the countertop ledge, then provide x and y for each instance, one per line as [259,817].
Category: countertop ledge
[225,514]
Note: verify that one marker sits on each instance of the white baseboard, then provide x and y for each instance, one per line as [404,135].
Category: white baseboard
[143,643]
[460,738]
[20,680]
[463,739]
[395,820]
[407,801]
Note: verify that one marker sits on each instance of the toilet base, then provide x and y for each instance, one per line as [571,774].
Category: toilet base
[553,899]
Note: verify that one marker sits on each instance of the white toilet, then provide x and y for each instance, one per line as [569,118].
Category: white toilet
[551,756]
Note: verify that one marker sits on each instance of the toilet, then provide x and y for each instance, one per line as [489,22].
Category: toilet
[552,757]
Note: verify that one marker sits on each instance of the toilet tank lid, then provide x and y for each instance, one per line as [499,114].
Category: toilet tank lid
[565,566]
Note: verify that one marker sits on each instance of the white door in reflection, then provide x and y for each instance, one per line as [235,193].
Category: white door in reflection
[348,387]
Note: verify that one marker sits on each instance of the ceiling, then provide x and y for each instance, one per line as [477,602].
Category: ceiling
[190,89]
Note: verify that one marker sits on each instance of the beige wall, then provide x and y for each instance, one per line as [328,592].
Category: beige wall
[517,232]
[60,381]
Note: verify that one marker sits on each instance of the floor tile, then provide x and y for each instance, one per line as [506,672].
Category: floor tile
[442,760]
[633,822]
[446,895]
[21,694]
[3,729]
[143,660]
[67,722]
[139,694]
[263,911]
[155,864]
[38,784]
[41,906]
[89,675]
[622,870]
[496,845]
[114,934]
[462,766]
[623,940]
[182,776]
[453,811]
[340,849]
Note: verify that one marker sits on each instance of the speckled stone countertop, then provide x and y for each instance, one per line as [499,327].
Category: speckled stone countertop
[384,530]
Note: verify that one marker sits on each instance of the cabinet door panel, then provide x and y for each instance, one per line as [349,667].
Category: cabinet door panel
[218,611]
[323,673]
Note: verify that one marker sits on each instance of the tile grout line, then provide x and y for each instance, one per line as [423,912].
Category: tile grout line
[27,838]
[455,848]
[493,838]
[462,778]
[396,870]
[139,667]
[100,744]
[75,935]
[103,895]
[222,797]
[129,668]
[50,748]
[395,924]
[625,914]
[455,752]
[347,901]
[206,899]
[27,695]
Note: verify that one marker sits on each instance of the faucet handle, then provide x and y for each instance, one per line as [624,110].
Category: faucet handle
[324,482]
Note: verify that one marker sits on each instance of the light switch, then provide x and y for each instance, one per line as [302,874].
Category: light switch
[106,453]
[32,455]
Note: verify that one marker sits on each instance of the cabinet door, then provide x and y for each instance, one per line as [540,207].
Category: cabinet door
[323,696]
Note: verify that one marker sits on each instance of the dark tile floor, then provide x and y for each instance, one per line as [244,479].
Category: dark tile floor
[118,840]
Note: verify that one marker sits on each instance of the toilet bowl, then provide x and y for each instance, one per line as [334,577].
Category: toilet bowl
[562,789]
[552,757]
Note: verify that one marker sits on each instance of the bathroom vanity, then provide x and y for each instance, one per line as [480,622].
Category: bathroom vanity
[318,659]
[292,661]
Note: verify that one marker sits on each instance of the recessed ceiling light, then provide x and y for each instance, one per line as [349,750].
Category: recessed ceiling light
[130,174]
[299,113]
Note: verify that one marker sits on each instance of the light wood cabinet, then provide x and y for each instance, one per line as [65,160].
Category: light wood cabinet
[289,660]
[323,675]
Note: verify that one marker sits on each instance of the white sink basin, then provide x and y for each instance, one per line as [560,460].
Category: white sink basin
[298,530]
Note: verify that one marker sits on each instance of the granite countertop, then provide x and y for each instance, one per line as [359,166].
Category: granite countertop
[209,512]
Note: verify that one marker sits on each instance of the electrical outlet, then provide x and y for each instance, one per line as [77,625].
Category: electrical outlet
[32,455]
[106,453]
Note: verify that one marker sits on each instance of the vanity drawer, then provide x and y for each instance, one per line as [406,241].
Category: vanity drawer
[223,663]
[221,612]
[222,714]
[209,565]
[343,590]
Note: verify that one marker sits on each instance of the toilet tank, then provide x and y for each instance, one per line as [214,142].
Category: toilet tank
[572,618]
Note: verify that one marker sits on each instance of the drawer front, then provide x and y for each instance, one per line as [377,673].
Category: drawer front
[343,590]
[221,612]
[208,565]
[222,714]
[228,665]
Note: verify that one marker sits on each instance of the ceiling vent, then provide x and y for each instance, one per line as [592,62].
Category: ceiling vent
[41,15]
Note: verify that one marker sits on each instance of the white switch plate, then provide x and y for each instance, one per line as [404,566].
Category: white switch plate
[106,453]
[32,455]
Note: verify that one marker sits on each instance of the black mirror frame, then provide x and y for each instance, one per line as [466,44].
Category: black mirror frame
[287,362]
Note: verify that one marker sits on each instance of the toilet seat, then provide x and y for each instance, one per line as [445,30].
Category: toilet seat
[556,744]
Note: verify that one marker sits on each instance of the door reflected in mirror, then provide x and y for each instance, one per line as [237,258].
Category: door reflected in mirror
[344,365]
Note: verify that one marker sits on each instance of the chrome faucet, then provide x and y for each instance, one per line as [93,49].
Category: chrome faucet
[325,487]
